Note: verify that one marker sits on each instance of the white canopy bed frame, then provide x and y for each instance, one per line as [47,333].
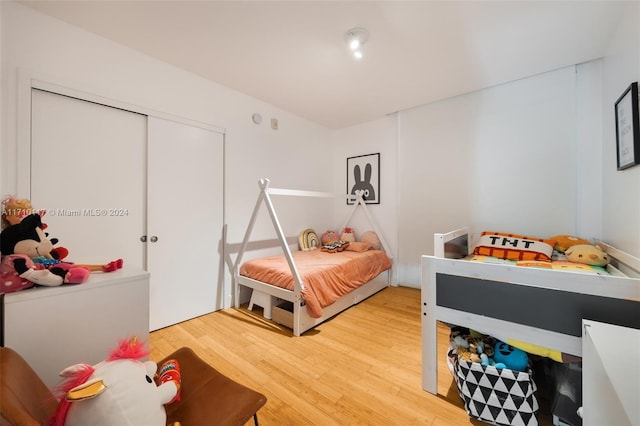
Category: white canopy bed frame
[539,306]
[302,321]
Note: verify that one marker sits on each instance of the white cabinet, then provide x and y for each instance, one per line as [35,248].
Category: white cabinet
[610,374]
[54,327]
[123,184]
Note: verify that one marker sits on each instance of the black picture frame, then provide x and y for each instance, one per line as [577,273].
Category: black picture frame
[363,172]
[628,128]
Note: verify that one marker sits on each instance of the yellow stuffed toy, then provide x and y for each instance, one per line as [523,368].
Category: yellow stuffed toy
[587,254]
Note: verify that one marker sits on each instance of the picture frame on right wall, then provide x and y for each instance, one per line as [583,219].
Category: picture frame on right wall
[628,128]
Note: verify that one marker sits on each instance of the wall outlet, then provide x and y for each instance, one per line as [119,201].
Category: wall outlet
[274,123]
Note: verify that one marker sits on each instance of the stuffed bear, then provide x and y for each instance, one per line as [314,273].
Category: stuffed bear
[587,254]
[20,244]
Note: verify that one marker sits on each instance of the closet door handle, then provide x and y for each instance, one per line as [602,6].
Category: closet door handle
[143,238]
[153,239]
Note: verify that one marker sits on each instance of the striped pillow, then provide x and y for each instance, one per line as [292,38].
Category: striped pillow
[514,247]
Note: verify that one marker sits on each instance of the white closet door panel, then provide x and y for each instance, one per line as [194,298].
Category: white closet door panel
[87,171]
[185,214]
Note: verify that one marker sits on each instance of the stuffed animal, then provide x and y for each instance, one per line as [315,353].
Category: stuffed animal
[564,242]
[587,254]
[120,390]
[22,242]
[328,237]
[512,358]
[348,235]
[35,244]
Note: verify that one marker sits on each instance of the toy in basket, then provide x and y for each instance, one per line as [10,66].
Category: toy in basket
[493,392]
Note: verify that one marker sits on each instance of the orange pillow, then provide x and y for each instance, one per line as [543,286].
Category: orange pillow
[514,247]
[358,246]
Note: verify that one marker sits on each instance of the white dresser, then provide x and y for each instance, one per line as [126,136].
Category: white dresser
[54,327]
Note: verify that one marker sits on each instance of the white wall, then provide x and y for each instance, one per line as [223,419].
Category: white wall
[588,150]
[51,50]
[621,201]
[438,161]
[502,159]
[379,136]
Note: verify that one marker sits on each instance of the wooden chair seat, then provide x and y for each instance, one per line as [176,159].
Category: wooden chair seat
[220,401]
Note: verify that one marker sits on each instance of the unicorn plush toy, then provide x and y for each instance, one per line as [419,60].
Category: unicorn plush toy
[118,391]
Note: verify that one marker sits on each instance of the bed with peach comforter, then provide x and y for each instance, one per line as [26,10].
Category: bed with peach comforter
[326,276]
[309,287]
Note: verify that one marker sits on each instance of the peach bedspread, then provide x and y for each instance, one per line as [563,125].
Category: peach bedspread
[326,276]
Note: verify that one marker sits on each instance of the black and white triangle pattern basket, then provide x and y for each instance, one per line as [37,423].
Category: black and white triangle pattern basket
[495,395]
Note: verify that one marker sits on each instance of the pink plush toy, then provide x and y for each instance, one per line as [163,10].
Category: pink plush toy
[348,234]
[329,237]
[23,242]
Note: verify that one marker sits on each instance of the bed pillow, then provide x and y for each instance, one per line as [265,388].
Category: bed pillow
[514,247]
[309,240]
[358,246]
[372,239]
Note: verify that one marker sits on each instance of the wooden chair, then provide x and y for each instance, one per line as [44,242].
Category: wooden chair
[24,398]
[220,400]
[207,396]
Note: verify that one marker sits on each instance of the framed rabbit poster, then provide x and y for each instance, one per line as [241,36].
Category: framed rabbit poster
[363,173]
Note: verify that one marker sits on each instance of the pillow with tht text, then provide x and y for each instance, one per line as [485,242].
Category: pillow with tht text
[514,246]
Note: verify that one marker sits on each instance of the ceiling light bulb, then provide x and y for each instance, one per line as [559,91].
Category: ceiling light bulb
[356,38]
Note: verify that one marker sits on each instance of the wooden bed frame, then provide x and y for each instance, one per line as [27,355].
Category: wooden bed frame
[539,306]
[301,320]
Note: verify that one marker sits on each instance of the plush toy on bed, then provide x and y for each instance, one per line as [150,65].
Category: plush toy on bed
[348,234]
[329,237]
[588,254]
[118,391]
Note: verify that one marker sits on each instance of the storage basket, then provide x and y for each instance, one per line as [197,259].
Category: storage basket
[498,396]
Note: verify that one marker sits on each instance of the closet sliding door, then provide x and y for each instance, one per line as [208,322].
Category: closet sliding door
[88,173]
[120,184]
[185,220]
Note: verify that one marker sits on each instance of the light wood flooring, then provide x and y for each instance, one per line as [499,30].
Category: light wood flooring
[362,367]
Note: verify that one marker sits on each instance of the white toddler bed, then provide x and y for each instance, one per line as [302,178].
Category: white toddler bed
[542,307]
[300,320]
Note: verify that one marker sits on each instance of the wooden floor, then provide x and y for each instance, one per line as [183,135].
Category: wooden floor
[363,367]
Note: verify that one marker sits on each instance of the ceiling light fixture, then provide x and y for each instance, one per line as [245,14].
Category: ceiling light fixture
[356,38]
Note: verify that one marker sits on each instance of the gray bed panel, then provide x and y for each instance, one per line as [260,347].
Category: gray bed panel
[554,310]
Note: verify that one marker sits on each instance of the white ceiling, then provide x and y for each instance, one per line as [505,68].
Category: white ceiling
[293,54]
